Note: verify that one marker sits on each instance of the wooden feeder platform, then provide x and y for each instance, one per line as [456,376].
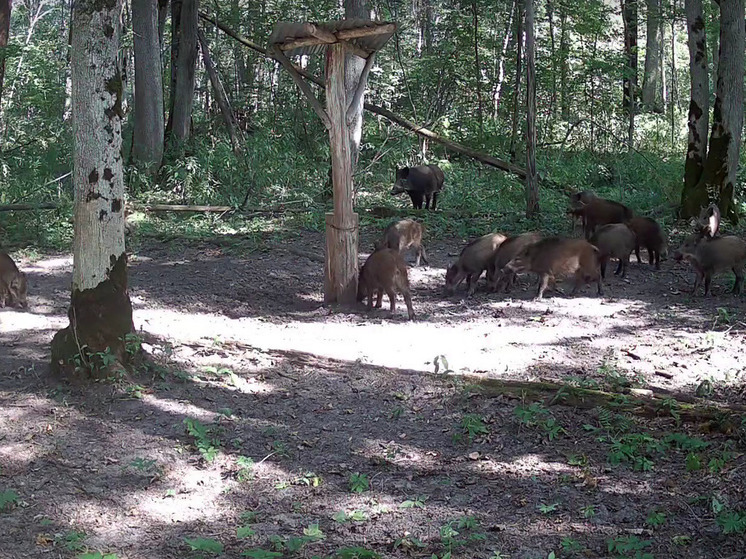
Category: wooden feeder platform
[336,39]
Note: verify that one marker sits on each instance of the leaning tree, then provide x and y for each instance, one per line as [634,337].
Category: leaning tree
[100,313]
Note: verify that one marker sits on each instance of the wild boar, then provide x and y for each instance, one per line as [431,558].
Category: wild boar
[385,270]
[403,235]
[599,211]
[497,274]
[649,234]
[13,284]
[614,240]
[557,257]
[473,260]
[423,181]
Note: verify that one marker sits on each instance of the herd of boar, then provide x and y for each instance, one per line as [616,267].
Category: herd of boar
[611,231]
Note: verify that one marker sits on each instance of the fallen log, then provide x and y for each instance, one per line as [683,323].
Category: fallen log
[27,207]
[648,403]
[404,123]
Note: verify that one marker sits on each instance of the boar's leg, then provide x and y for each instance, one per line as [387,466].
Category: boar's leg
[604,260]
[620,269]
[416,197]
[428,197]
[697,280]
[435,200]
[739,279]
[473,279]
[408,302]
[370,300]
[637,252]
[392,299]
[543,283]
[600,290]
[421,253]
[657,257]
[708,281]
[379,298]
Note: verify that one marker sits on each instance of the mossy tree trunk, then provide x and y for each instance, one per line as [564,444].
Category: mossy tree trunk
[718,178]
[699,115]
[186,63]
[5,7]
[651,82]
[100,312]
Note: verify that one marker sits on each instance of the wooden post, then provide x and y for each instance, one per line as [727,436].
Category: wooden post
[340,267]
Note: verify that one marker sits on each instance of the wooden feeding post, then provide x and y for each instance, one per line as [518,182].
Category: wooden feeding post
[336,38]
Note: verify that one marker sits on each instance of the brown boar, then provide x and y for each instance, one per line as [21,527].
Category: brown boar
[557,257]
[709,254]
[473,260]
[385,270]
[577,201]
[13,284]
[600,211]
[497,274]
[614,240]
[403,235]
[649,234]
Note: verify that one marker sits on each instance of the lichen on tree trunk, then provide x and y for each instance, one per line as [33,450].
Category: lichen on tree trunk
[100,312]
[717,179]
[95,342]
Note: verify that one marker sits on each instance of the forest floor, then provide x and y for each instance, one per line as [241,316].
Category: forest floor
[267,421]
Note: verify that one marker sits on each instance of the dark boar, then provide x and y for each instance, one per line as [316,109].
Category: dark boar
[385,270]
[577,201]
[497,274]
[473,260]
[614,240]
[556,257]
[403,235]
[13,284]
[423,181]
[599,211]
[649,234]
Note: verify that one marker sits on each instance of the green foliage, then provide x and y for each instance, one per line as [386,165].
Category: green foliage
[536,415]
[629,546]
[203,439]
[471,426]
[204,545]
[359,483]
[8,499]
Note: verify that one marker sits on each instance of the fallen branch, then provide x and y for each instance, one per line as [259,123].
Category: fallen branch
[26,207]
[648,403]
[404,123]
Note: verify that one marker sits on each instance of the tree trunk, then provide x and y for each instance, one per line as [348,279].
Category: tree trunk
[162,16]
[564,49]
[532,184]
[497,96]
[5,7]
[220,96]
[147,149]
[651,100]
[183,97]
[718,179]
[629,15]
[477,68]
[553,61]
[517,89]
[95,343]
[175,37]
[355,9]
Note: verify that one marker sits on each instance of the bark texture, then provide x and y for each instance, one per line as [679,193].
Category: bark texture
[532,184]
[355,9]
[718,180]
[185,71]
[629,82]
[518,42]
[147,149]
[699,114]
[5,7]
[651,82]
[100,312]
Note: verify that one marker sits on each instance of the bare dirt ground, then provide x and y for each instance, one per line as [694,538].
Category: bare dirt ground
[290,401]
